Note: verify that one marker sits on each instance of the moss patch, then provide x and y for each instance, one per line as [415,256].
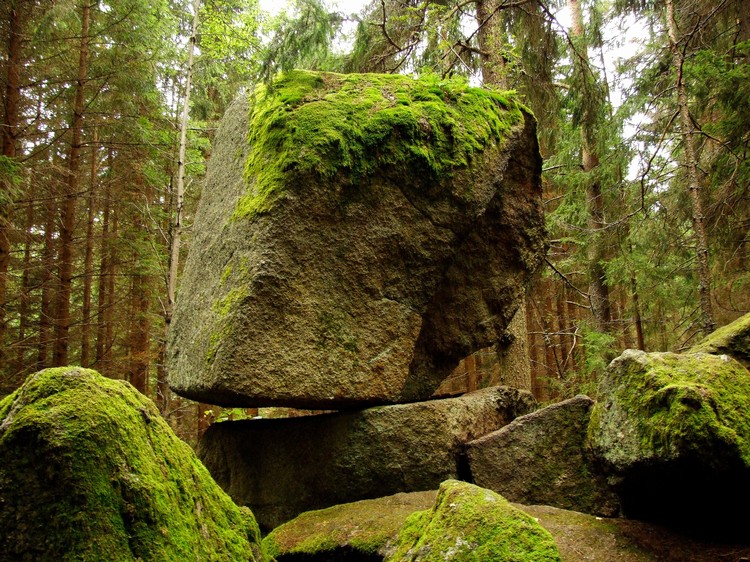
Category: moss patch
[365,527]
[469,523]
[732,339]
[669,406]
[328,124]
[91,471]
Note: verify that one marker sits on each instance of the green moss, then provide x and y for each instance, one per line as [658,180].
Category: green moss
[229,302]
[472,524]
[324,124]
[365,527]
[673,405]
[92,472]
[732,339]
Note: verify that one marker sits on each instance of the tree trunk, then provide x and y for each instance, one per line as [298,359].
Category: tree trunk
[162,386]
[598,290]
[491,44]
[88,261]
[45,311]
[105,272]
[690,163]
[9,131]
[139,334]
[24,299]
[68,212]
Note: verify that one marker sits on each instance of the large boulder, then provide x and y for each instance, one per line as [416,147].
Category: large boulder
[472,524]
[732,339]
[282,467]
[673,433]
[541,458]
[373,231]
[89,471]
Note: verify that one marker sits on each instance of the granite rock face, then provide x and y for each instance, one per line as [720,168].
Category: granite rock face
[90,471]
[672,433]
[372,232]
[541,458]
[283,467]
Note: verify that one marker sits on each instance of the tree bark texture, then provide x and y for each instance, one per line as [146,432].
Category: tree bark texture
[68,211]
[690,163]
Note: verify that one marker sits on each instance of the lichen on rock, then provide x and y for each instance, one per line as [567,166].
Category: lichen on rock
[90,471]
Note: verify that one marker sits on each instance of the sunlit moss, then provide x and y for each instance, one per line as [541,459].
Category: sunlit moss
[325,124]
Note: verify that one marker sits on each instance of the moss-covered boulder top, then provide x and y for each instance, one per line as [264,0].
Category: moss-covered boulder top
[358,235]
[673,432]
[732,339]
[89,471]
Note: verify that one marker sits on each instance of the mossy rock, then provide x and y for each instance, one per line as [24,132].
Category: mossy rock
[472,524]
[360,531]
[89,471]
[673,433]
[358,235]
[732,339]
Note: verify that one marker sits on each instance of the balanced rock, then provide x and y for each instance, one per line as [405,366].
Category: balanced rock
[673,433]
[541,458]
[373,231]
[283,467]
[90,471]
[732,339]
[469,523]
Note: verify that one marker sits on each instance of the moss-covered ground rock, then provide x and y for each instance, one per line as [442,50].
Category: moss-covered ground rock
[89,471]
[356,531]
[472,524]
[673,433]
[357,236]
[732,339]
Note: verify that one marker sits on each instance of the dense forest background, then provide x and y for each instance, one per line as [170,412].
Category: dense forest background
[109,108]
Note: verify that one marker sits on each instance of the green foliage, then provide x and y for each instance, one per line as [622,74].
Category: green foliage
[301,39]
[323,124]
[10,181]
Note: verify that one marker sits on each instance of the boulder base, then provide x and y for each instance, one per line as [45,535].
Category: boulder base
[673,433]
[540,458]
[374,231]
[283,467]
[90,471]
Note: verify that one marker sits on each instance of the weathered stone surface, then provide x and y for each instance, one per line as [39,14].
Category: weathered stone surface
[468,524]
[367,530]
[540,458]
[282,467]
[732,339]
[90,471]
[363,530]
[385,229]
[673,433]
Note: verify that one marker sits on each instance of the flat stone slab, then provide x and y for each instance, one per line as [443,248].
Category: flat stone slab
[283,467]
[372,232]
